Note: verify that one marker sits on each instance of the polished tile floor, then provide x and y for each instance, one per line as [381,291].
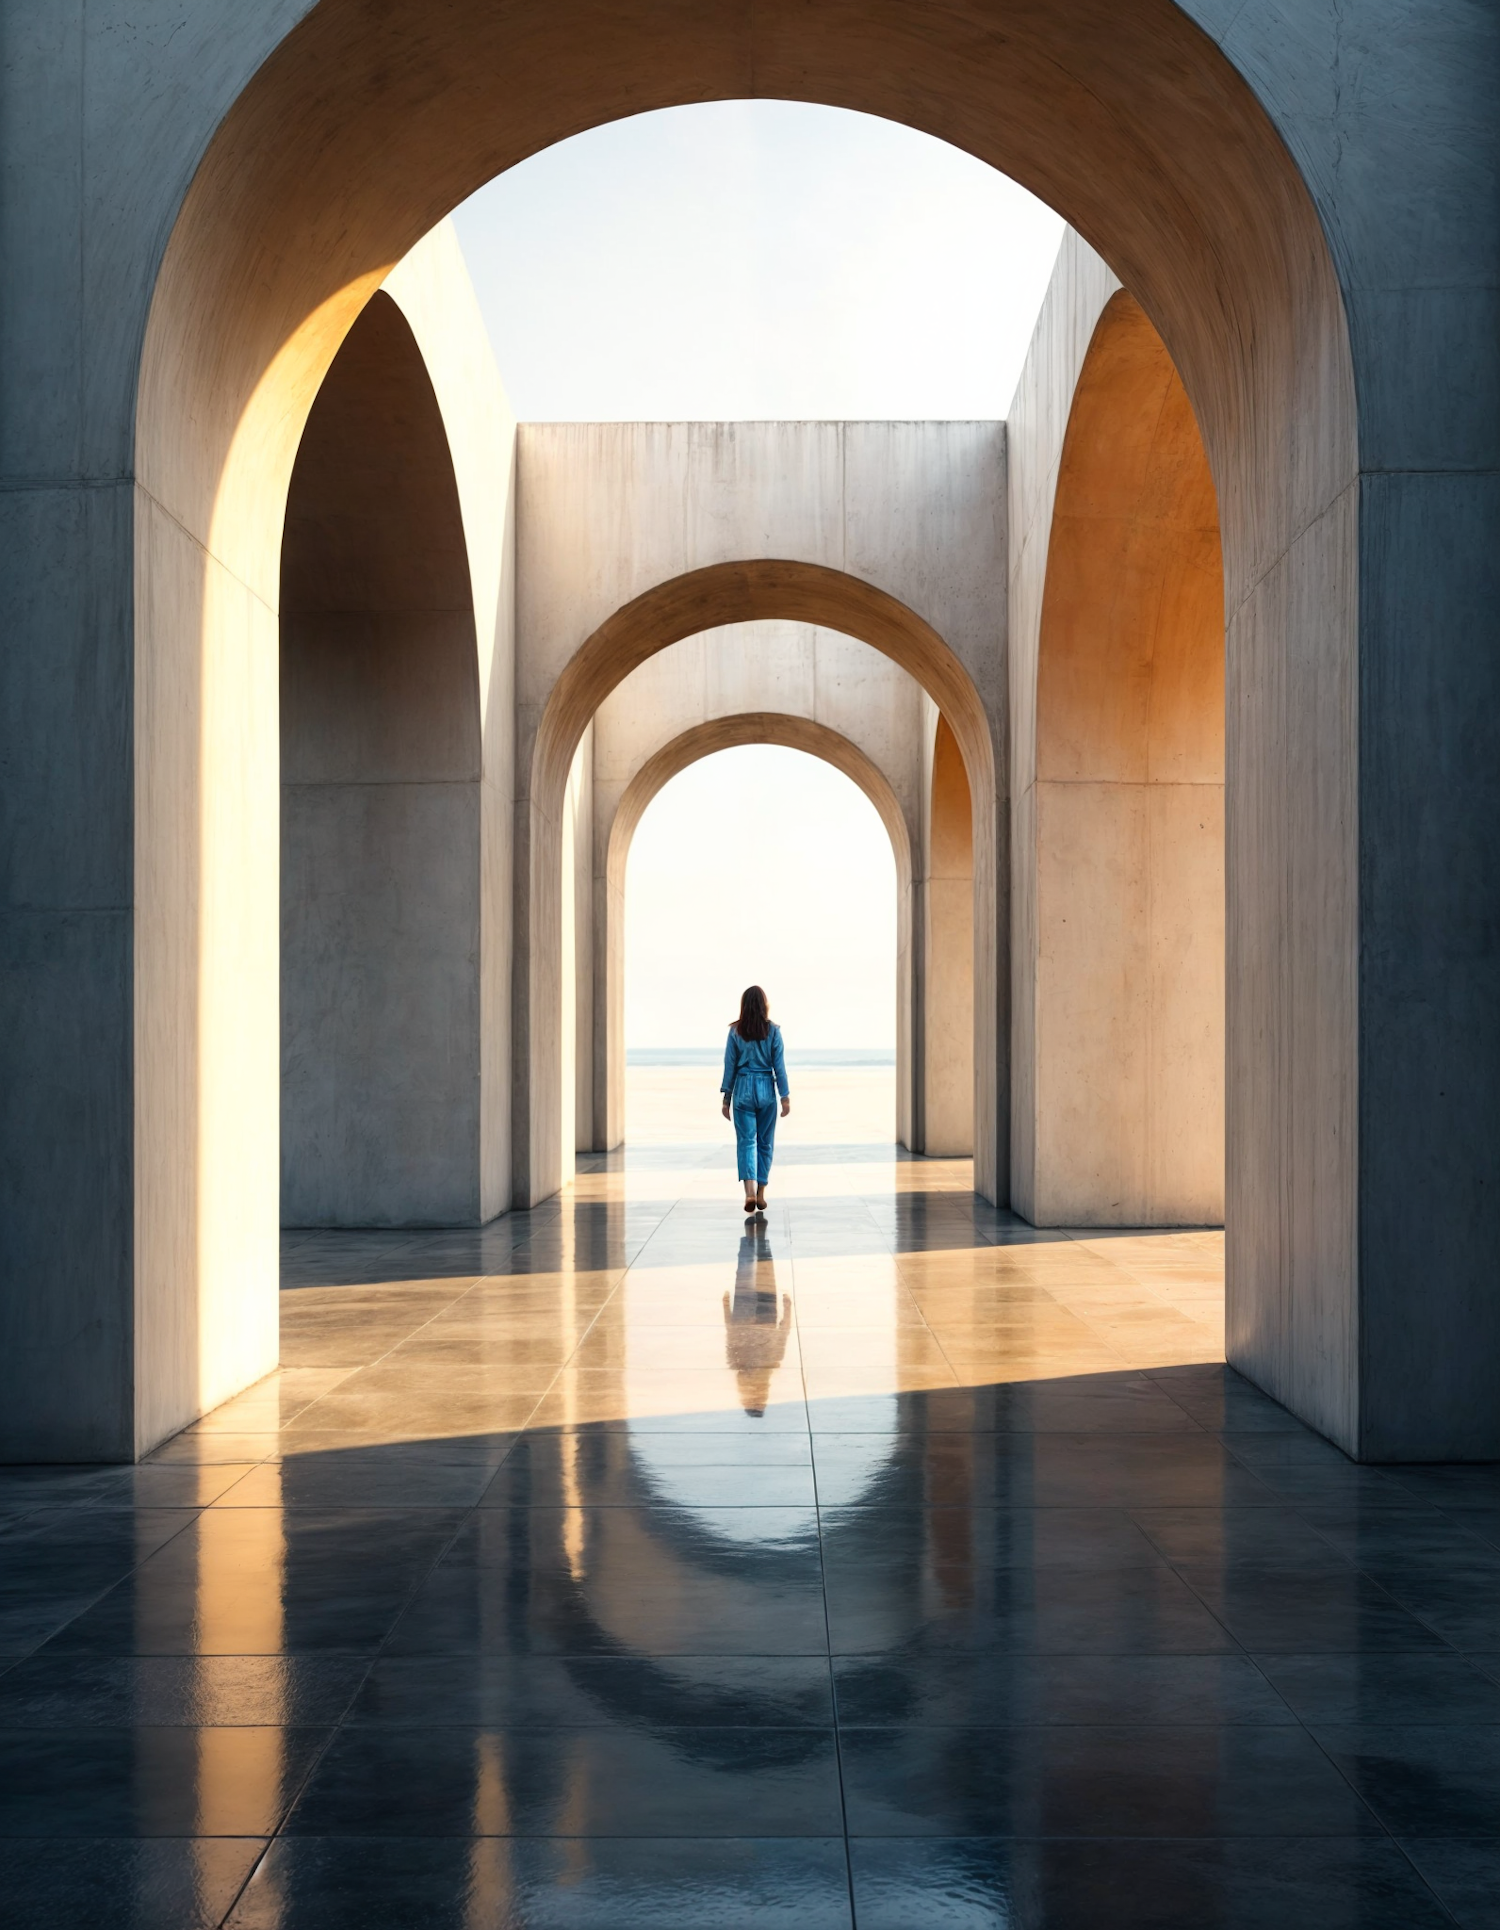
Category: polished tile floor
[889,1564]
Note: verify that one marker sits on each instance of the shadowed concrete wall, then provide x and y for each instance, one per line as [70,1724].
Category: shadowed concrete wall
[946,1116]
[752,683]
[1122,872]
[579,949]
[633,536]
[380,776]
[197,209]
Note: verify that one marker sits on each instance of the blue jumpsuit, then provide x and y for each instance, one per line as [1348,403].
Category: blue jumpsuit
[754,1072]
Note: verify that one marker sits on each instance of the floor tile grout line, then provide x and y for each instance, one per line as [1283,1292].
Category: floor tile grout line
[1306,1728]
[1292,1508]
[838,1744]
[378,1360]
[109,1589]
[474,1283]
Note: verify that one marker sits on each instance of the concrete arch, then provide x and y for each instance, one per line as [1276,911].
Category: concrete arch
[1119,1014]
[285,154]
[724,733]
[349,135]
[207,1120]
[710,598]
[381,765]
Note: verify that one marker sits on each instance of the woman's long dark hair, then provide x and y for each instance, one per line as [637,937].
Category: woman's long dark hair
[754,1021]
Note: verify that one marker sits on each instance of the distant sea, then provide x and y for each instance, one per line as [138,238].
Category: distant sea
[712,1055]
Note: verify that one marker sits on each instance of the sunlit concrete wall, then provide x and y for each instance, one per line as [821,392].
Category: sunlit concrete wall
[1081,285]
[945,1117]
[395,813]
[609,513]
[431,286]
[579,949]
[1118,1026]
[745,683]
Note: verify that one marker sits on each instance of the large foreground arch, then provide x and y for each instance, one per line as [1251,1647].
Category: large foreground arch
[359,130]
[286,157]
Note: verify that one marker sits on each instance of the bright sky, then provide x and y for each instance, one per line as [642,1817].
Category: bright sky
[708,910]
[757,259]
[765,259]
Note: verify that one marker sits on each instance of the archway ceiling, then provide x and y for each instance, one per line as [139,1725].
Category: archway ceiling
[728,593]
[366,125]
[757,727]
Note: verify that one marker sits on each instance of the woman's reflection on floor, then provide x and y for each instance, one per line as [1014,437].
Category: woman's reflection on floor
[756,1326]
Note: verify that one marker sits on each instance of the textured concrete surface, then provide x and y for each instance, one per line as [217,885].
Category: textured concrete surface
[945,1124]
[1123,1026]
[380,769]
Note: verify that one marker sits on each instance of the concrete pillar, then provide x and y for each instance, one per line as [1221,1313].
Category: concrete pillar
[380,874]
[1124,1029]
[946,1062]
[578,1132]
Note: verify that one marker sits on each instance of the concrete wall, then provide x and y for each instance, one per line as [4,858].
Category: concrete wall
[431,287]
[395,834]
[946,1115]
[380,767]
[580,946]
[1081,286]
[750,683]
[634,536]
[1119,851]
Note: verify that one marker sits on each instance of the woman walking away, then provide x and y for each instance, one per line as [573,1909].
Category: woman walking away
[754,1072]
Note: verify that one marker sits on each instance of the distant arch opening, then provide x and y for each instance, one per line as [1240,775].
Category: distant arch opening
[706,740]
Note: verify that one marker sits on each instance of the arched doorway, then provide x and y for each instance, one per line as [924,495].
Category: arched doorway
[1124,1029]
[381,813]
[794,733]
[712,597]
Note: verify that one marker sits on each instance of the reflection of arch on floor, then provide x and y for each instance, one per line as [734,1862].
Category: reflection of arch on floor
[706,599]
[763,727]
[380,781]
[1123,1020]
[356,133]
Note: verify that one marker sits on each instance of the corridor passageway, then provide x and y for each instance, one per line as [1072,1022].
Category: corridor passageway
[614,1565]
